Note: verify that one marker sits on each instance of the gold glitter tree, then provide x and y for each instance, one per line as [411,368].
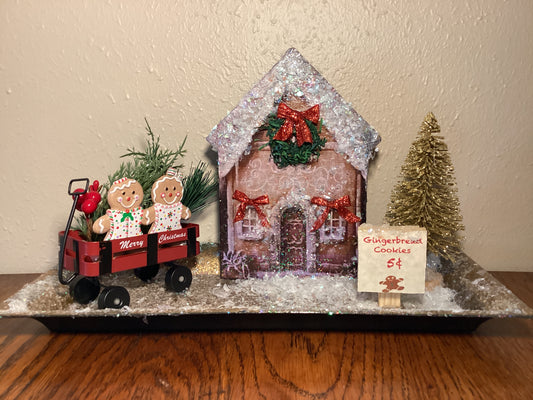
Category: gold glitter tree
[426,194]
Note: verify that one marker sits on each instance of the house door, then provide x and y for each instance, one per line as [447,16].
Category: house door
[293,239]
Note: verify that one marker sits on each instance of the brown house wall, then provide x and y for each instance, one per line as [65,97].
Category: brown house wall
[256,175]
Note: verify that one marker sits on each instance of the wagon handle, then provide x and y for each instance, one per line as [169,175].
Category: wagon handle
[63,245]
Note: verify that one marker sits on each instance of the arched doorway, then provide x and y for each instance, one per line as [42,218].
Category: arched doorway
[293,239]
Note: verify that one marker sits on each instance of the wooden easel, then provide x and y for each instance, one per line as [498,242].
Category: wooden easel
[389,300]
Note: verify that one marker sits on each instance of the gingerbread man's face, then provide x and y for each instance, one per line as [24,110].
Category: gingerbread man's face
[167,190]
[125,194]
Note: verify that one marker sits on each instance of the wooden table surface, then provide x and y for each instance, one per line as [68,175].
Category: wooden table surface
[495,362]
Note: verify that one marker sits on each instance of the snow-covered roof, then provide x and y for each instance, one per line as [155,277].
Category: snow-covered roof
[293,76]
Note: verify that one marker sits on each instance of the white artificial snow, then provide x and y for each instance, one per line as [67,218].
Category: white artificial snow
[209,294]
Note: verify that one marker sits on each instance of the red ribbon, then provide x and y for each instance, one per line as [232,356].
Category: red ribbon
[339,205]
[296,119]
[245,202]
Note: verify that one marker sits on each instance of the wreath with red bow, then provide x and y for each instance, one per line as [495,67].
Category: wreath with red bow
[294,136]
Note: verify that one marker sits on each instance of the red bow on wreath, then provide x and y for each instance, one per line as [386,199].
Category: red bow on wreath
[296,119]
[339,205]
[245,202]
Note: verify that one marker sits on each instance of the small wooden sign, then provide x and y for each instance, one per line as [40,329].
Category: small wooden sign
[392,259]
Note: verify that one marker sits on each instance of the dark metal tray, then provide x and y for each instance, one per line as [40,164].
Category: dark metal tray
[278,303]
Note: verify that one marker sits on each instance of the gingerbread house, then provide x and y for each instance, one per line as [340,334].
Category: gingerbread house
[293,160]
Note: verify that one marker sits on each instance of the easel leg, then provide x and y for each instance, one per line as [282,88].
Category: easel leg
[389,300]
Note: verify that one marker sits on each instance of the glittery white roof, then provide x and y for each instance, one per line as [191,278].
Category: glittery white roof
[293,76]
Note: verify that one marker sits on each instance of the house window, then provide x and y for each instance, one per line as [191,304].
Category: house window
[250,227]
[333,229]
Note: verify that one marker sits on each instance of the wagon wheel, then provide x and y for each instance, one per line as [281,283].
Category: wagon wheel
[84,290]
[178,278]
[146,273]
[114,297]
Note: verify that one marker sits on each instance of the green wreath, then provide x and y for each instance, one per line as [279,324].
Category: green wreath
[288,153]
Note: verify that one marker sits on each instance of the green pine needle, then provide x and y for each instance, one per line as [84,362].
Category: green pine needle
[199,187]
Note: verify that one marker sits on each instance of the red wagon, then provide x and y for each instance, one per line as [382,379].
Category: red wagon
[88,260]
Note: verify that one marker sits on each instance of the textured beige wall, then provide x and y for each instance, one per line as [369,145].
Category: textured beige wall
[77,79]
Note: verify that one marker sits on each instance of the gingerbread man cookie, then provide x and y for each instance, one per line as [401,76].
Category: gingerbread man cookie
[391,283]
[124,217]
[167,210]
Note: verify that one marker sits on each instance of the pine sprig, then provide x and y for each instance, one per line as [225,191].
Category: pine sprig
[155,158]
[148,165]
[199,187]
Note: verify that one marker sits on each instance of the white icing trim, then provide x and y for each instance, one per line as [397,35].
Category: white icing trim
[161,180]
[132,203]
[172,202]
[128,184]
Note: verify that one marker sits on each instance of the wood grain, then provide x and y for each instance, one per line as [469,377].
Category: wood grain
[493,363]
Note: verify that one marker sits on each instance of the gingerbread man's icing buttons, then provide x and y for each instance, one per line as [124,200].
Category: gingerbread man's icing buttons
[124,217]
[167,210]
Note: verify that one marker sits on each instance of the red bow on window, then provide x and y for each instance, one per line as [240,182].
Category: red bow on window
[296,119]
[339,205]
[255,203]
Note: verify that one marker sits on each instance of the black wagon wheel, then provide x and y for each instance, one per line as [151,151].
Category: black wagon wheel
[84,290]
[146,273]
[178,278]
[113,297]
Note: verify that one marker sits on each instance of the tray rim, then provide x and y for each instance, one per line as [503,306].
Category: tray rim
[262,322]
[382,319]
